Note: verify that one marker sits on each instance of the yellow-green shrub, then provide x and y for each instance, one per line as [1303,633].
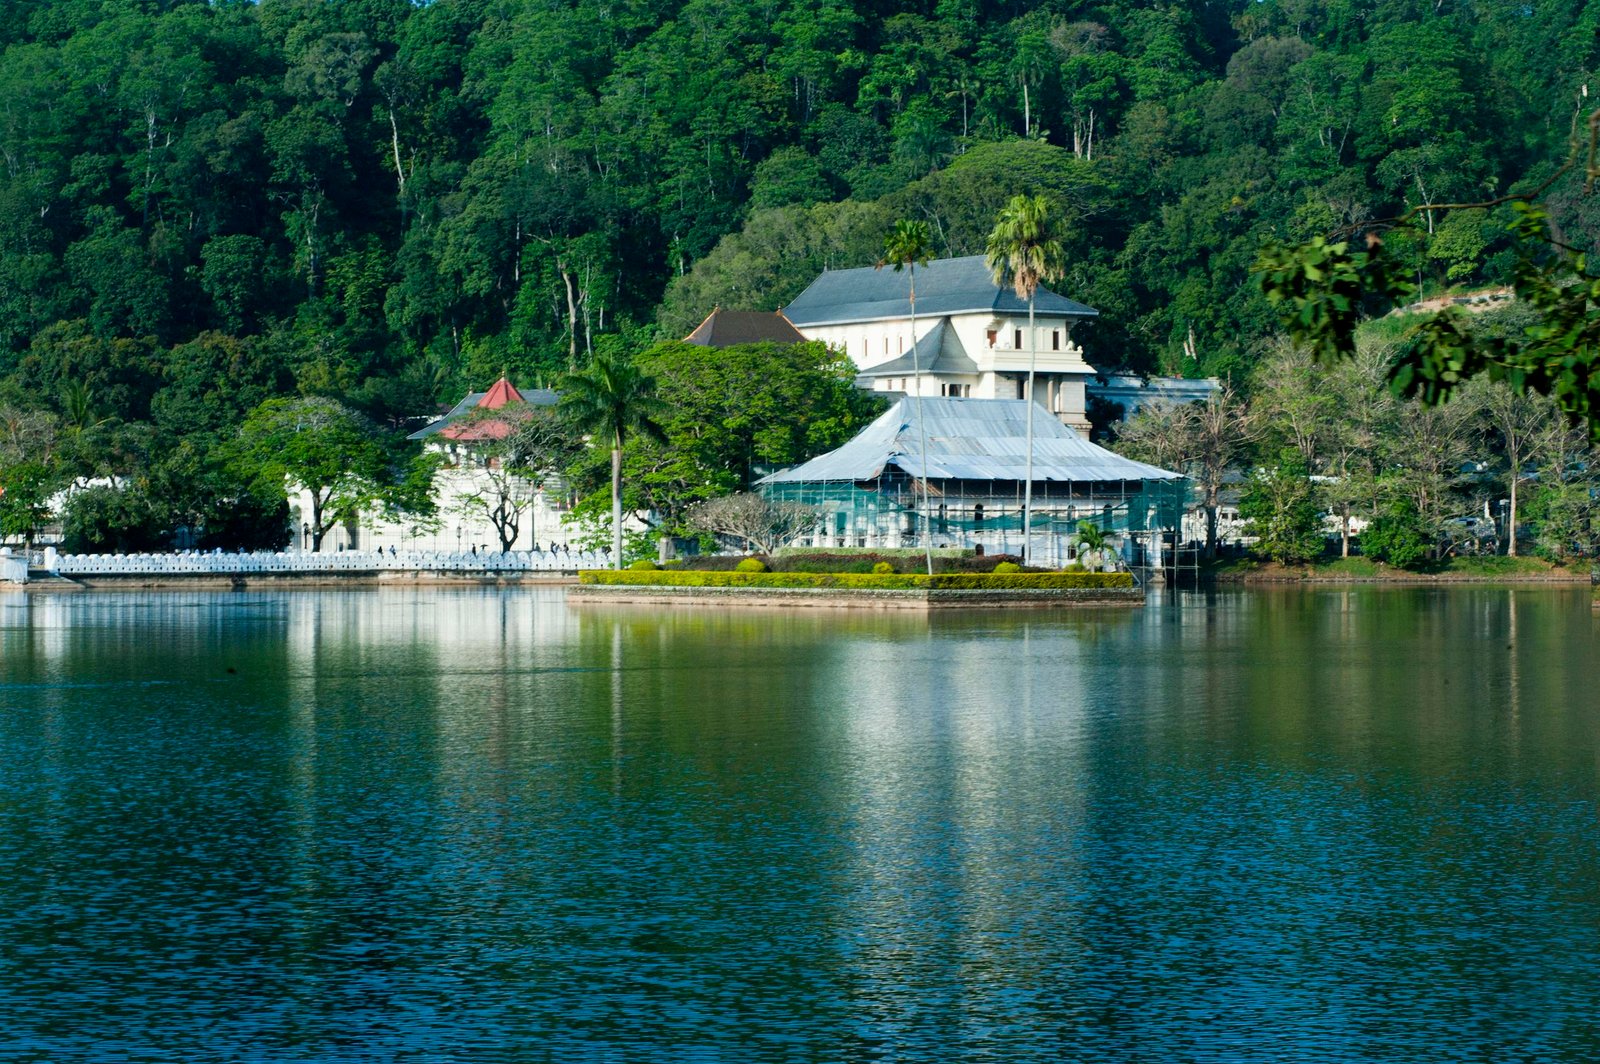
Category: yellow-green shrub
[1008,567]
[883,567]
[751,565]
[862,581]
[644,565]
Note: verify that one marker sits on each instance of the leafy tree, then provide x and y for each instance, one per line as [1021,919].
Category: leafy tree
[1397,535]
[1282,513]
[613,400]
[1025,251]
[26,488]
[319,446]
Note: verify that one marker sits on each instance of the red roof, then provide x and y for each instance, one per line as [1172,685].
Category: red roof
[499,395]
[502,393]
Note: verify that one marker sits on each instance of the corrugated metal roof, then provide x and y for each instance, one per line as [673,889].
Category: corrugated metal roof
[970,439]
[944,286]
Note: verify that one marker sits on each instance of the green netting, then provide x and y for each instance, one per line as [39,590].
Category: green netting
[888,508]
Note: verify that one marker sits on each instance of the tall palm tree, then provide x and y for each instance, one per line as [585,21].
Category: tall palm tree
[1025,251]
[614,400]
[904,249]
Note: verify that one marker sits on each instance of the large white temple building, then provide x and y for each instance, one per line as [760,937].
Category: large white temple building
[971,335]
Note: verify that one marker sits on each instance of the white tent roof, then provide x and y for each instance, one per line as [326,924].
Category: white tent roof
[970,439]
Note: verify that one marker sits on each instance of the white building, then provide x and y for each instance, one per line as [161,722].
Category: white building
[971,335]
[466,490]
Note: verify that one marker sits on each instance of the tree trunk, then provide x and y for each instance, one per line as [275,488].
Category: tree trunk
[616,504]
[1511,518]
[922,427]
[572,316]
[318,530]
[1027,488]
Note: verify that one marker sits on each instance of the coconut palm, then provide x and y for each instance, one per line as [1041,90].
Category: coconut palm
[904,249]
[613,400]
[1025,251]
[1091,538]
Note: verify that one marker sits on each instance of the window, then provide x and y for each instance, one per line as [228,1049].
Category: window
[993,336]
[900,342]
[977,516]
[1019,339]
[886,345]
[1055,339]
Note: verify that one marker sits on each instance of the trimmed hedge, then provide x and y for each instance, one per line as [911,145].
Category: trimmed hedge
[863,581]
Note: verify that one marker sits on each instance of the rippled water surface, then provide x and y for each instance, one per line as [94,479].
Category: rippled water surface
[482,826]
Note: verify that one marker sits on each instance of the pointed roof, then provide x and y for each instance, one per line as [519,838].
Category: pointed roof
[944,286]
[726,328]
[970,439]
[500,393]
[940,350]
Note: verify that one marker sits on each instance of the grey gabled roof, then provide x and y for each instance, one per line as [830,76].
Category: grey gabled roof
[970,439]
[944,286]
[939,351]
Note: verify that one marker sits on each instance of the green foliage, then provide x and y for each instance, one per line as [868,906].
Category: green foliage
[25,491]
[325,449]
[751,565]
[97,520]
[643,565]
[864,581]
[1323,290]
[1282,515]
[883,567]
[1397,536]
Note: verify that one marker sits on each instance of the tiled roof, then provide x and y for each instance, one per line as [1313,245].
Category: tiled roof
[498,395]
[725,328]
[944,286]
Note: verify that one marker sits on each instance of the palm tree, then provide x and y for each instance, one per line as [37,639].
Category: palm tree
[613,399]
[1092,538]
[1025,252]
[905,248]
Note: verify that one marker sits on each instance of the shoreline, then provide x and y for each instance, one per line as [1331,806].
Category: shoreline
[1279,575]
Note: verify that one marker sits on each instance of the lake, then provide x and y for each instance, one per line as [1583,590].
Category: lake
[478,825]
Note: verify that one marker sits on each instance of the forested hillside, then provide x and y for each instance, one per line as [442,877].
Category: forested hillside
[206,204]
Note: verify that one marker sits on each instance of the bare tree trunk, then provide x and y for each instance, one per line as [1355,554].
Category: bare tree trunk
[572,316]
[922,426]
[1027,488]
[616,504]
[1511,517]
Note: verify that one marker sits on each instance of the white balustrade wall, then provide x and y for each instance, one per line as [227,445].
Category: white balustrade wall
[197,563]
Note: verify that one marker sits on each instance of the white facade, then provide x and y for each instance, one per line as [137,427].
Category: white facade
[461,525]
[972,356]
[972,338]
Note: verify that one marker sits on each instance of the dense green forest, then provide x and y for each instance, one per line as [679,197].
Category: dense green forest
[205,205]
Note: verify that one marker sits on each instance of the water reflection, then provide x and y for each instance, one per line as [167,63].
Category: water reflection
[1331,825]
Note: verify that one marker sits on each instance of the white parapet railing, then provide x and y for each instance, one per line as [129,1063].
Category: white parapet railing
[13,568]
[219,564]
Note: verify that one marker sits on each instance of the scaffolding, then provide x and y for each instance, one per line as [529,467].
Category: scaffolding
[888,512]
